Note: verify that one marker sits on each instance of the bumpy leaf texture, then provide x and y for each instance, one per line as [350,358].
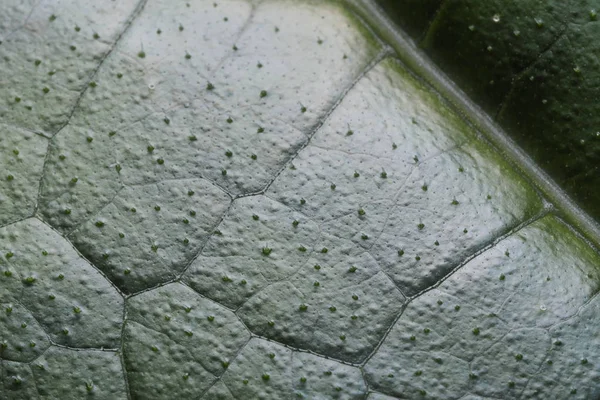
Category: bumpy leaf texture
[533,66]
[256,200]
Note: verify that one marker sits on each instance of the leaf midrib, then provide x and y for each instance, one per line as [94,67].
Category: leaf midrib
[422,66]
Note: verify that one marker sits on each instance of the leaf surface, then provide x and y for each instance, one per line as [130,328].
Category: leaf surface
[256,199]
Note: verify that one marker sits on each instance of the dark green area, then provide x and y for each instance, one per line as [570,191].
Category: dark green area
[531,64]
[413,15]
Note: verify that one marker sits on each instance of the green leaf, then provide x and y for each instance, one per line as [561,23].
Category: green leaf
[258,200]
[529,64]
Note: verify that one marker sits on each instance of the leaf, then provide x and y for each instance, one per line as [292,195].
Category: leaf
[257,200]
[529,64]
